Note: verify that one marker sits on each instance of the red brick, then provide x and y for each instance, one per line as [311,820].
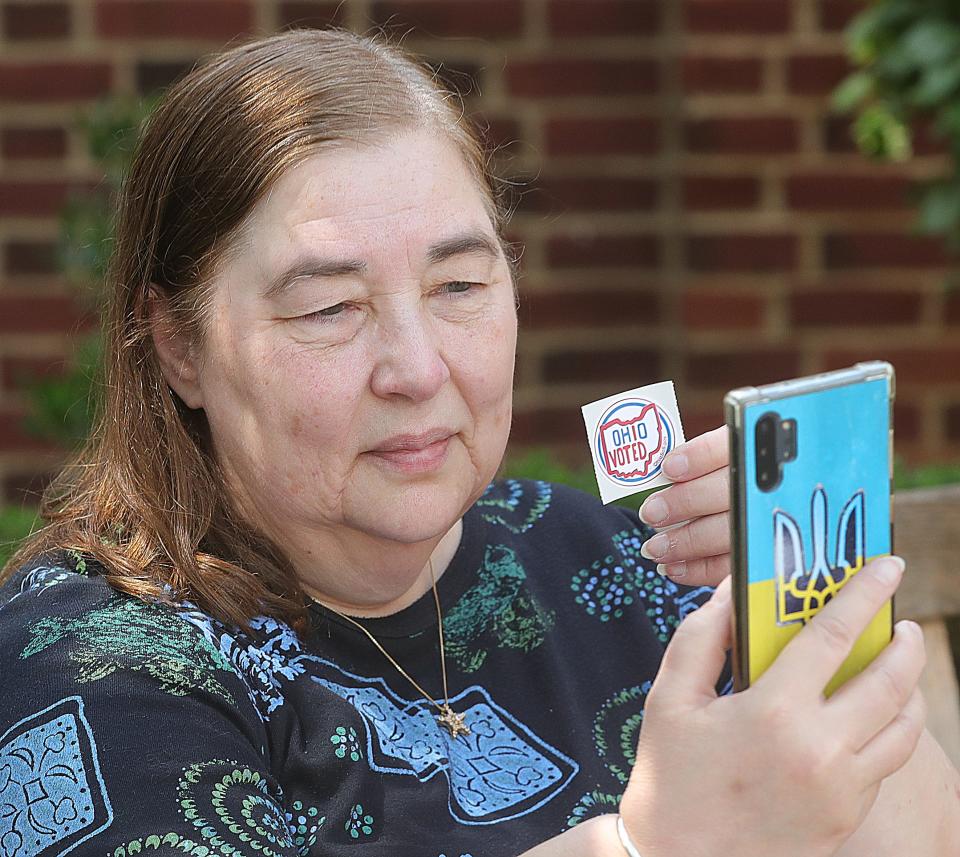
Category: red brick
[914,366]
[746,253]
[707,193]
[951,311]
[698,422]
[18,143]
[36,21]
[25,488]
[53,81]
[499,132]
[836,14]
[822,191]
[837,134]
[306,14]
[907,422]
[713,310]
[183,19]
[558,194]
[854,308]
[46,314]
[570,77]
[816,74]
[547,425]
[443,18]
[622,364]
[756,17]
[580,18]
[722,74]
[14,436]
[15,371]
[152,75]
[725,370]
[951,419]
[31,257]
[602,135]
[589,308]
[31,199]
[754,135]
[882,249]
[603,251]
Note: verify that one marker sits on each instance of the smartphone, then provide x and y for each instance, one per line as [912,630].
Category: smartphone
[811,473]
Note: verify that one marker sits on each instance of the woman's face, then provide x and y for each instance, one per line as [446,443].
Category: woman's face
[359,366]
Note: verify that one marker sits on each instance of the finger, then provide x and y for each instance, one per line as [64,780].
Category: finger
[708,571]
[876,696]
[707,495]
[813,656]
[891,748]
[696,655]
[698,456]
[702,537]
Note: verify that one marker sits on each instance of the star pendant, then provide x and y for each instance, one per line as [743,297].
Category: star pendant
[453,722]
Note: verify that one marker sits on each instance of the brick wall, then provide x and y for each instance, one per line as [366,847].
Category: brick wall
[689,208]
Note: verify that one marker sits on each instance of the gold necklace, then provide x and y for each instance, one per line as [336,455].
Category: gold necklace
[448,718]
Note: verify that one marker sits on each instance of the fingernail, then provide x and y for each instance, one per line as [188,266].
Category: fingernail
[910,627]
[889,569]
[676,465]
[653,511]
[656,547]
[676,570]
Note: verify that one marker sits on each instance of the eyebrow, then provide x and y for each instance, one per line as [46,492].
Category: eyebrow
[314,266]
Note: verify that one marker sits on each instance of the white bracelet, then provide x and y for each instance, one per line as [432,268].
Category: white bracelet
[625,840]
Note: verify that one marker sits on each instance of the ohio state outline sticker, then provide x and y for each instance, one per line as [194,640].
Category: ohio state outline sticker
[630,434]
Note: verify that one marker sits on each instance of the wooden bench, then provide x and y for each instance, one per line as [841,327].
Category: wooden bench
[927,536]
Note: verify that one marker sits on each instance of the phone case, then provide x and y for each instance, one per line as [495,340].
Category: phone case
[796,544]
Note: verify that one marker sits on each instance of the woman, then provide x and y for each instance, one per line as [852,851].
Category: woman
[226,640]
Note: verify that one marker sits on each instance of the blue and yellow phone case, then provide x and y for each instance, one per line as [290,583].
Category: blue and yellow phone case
[794,546]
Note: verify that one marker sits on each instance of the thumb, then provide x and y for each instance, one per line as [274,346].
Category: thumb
[696,655]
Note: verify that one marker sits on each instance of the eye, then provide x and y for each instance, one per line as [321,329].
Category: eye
[328,312]
[458,287]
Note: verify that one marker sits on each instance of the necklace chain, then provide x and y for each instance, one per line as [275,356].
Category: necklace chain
[450,719]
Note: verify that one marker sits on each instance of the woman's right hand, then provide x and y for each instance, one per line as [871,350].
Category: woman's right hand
[778,768]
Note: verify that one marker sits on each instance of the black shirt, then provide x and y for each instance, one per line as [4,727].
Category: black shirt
[130,727]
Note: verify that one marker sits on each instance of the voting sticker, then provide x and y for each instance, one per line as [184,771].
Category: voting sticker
[630,434]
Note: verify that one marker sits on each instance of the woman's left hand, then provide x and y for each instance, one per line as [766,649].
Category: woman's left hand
[698,552]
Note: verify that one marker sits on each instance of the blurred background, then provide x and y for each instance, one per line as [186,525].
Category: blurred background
[718,192]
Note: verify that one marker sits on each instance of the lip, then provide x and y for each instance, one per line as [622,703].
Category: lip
[413,442]
[415,453]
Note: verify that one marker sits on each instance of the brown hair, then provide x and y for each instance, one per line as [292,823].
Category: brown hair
[144,496]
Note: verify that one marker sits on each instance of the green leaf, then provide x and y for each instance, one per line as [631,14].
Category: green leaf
[930,42]
[852,92]
[938,84]
[940,207]
[882,135]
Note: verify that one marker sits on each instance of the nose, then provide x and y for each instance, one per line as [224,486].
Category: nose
[409,362]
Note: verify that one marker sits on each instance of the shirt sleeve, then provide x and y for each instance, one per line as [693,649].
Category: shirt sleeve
[125,730]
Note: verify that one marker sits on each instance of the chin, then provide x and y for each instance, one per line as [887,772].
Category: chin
[410,509]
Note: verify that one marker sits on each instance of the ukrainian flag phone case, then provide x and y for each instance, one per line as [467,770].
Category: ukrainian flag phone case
[810,479]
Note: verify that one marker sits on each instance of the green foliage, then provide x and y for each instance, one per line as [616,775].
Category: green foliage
[15,525]
[62,408]
[907,54]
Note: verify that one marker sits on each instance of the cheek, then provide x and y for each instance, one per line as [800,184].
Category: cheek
[485,363]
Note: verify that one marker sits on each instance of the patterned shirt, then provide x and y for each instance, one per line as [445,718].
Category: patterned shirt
[127,726]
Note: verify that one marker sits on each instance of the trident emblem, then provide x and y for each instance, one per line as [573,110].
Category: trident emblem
[801,592]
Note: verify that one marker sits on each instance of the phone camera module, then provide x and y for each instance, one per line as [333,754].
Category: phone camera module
[773,445]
